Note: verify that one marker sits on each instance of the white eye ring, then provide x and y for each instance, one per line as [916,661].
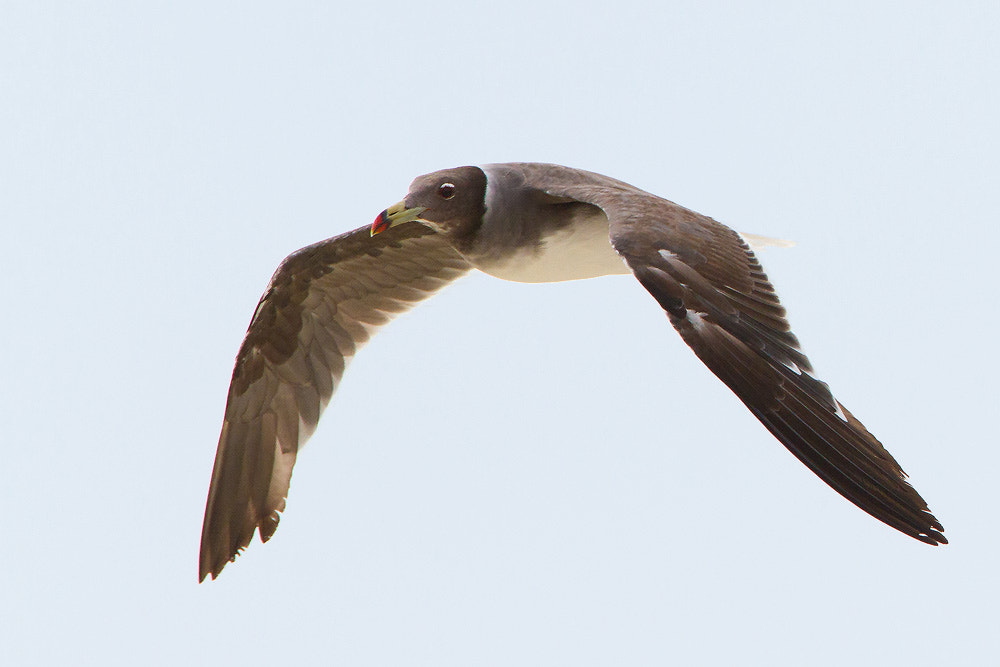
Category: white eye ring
[446,190]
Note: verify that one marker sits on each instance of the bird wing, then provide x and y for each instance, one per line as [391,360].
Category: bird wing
[719,299]
[322,304]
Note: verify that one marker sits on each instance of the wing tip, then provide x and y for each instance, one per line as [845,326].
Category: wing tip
[934,534]
[931,537]
[210,563]
[208,566]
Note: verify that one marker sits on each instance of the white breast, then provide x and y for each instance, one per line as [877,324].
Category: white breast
[580,250]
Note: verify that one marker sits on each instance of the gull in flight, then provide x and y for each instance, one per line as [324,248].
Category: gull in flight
[525,222]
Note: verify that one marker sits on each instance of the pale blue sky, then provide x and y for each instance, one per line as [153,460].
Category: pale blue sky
[511,474]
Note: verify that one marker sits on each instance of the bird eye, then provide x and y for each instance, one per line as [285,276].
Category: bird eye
[446,190]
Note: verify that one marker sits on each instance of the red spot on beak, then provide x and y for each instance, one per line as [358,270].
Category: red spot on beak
[381,223]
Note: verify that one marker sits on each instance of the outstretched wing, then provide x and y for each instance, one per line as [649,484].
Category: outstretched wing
[321,305]
[718,298]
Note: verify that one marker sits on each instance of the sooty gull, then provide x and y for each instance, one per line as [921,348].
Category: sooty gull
[530,223]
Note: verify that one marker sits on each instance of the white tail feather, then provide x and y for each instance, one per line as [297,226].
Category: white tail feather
[757,242]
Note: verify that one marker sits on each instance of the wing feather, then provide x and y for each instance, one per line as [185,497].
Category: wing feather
[322,304]
[719,299]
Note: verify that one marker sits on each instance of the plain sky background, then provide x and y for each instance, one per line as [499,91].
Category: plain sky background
[510,474]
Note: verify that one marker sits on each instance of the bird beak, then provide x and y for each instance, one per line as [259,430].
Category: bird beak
[396,214]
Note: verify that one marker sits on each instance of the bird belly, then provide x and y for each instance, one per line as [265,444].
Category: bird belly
[580,250]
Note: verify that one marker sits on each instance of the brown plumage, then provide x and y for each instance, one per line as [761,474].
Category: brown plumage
[527,222]
[322,304]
